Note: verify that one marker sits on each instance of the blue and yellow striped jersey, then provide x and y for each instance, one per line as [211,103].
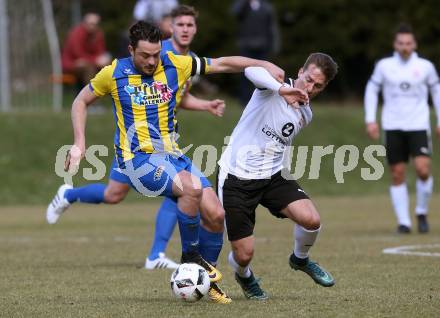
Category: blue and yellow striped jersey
[144,106]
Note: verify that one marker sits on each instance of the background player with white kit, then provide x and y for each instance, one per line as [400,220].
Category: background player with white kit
[405,79]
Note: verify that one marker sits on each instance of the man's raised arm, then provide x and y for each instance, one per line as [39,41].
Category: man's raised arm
[262,79]
[236,64]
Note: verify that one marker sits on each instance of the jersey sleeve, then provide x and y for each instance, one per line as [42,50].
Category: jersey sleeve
[377,76]
[433,83]
[101,83]
[432,79]
[371,97]
[190,65]
[261,78]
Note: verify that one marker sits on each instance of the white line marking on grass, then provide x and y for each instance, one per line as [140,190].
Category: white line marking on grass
[410,250]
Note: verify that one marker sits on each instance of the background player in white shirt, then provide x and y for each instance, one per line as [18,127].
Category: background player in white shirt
[405,79]
[251,169]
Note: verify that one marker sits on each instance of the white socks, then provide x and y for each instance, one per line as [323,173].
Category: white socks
[304,240]
[400,200]
[423,194]
[244,272]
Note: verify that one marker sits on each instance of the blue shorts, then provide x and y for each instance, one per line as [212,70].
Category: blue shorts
[117,175]
[153,174]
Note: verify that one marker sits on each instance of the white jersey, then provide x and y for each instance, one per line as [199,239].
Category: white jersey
[259,145]
[404,85]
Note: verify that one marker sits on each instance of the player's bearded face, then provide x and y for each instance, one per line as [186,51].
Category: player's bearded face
[184,28]
[312,80]
[405,44]
[146,56]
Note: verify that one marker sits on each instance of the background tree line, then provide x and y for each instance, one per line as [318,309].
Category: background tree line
[355,32]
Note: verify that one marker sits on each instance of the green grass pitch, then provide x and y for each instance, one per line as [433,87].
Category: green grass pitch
[89,265]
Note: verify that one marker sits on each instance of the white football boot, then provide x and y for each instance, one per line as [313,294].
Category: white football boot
[58,205]
[161,262]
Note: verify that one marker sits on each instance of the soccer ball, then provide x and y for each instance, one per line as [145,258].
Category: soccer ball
[190,282]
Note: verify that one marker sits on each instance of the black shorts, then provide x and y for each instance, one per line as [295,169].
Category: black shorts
[400,145]
[241,197]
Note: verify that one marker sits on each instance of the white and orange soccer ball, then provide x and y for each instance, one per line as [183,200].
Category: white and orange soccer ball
[190,282]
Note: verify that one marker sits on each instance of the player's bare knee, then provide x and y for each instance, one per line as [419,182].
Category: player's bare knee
[397,177]
[243,256]
[248,254]
[114,197]
[312,222]
[190,200]
[193,193]
[217,218]
[213,223]
[398,174]
[423,173]
[315,223]
[114,194]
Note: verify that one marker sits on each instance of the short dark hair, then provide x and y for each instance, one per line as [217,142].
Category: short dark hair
[404,28]
[143,31]
[324,62]
[184,10]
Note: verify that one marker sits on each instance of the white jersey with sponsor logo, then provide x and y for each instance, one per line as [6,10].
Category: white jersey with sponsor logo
[404,85]
[259,145]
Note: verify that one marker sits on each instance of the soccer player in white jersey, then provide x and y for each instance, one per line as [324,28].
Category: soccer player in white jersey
[252,169]
[405,79]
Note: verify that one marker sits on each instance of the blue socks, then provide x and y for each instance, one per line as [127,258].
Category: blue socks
[92,193]
[165,222]
[189,232]
[210,245]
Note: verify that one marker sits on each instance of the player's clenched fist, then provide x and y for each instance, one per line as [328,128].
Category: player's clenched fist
[373,131]
[217,107]
[73,158]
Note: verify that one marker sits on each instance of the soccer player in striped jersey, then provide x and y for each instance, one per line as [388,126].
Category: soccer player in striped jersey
[145,89]
[405,79]
[184,29]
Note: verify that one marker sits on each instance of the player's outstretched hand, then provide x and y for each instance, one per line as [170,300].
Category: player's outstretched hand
[217,107]
[73,158]
[294,96]
[276,72]
[373,131]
